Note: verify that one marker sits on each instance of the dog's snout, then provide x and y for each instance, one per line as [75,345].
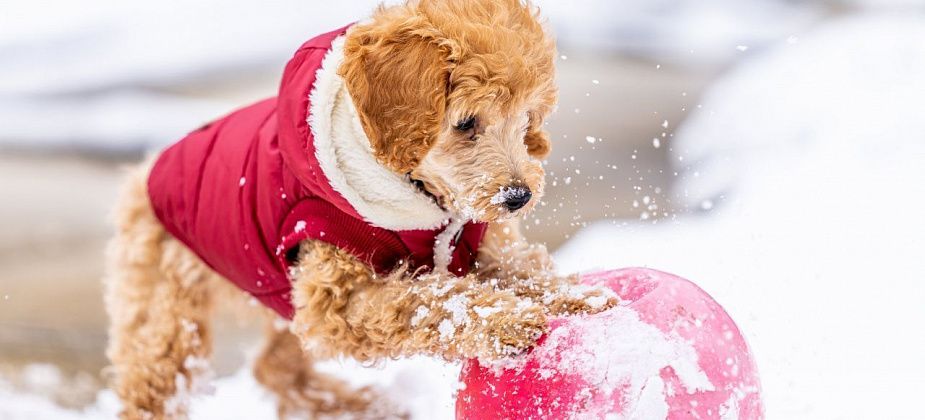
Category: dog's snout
[516,197]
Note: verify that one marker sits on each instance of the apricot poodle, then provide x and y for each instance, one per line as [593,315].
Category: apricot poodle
[373,206]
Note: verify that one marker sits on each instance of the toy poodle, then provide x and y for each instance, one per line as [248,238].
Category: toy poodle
[372,206]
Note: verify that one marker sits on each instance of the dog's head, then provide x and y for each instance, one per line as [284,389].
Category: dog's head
[454,93]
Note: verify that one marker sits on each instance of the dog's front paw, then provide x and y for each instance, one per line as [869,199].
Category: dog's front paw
[499,334]
[513,337]
[570,299]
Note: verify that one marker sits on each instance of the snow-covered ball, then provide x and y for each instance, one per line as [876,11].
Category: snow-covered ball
[668,351]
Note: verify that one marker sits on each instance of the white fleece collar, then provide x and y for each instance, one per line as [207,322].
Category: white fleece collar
[382,197]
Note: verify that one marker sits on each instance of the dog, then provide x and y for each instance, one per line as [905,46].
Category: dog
[373,206]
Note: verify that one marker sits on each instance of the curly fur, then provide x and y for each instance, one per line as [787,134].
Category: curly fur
[413,72]
[491,60]
[158,297]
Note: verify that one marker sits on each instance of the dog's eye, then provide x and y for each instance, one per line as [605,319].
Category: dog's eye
[466,124]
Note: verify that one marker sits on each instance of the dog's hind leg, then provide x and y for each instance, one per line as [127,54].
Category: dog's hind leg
[158,300]
[284,368]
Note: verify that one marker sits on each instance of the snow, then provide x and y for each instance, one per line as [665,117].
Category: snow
[804,221]
[730,409]
[447,330]
[443,244]
[619,352]
[456,306]
[505,194]
[422,386]
[806,217]
[419,314]
[596,301]
[485,311]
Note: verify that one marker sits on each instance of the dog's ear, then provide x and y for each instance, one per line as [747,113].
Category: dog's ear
[537,141]
[397,71]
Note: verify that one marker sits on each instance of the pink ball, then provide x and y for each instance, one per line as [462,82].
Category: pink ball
[668,351]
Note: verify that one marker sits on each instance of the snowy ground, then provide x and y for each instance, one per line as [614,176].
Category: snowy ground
[424,386]
[803,172]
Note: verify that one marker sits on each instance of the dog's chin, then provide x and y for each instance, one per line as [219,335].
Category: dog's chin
[480,209]
[495,213]
[422,188]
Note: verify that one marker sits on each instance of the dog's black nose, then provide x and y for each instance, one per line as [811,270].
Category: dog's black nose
[516,197]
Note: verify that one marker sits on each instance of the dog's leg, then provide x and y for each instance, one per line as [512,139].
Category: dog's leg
[158,301]
[342,308]
[508,260]
[284,368]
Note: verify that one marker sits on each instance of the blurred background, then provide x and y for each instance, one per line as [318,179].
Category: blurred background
[771,150]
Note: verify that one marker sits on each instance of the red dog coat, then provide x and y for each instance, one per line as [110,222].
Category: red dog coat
[243,191]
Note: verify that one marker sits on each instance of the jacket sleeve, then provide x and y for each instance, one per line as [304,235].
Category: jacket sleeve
[316,219]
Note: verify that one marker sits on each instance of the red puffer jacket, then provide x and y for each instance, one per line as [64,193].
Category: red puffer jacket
[242,192]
